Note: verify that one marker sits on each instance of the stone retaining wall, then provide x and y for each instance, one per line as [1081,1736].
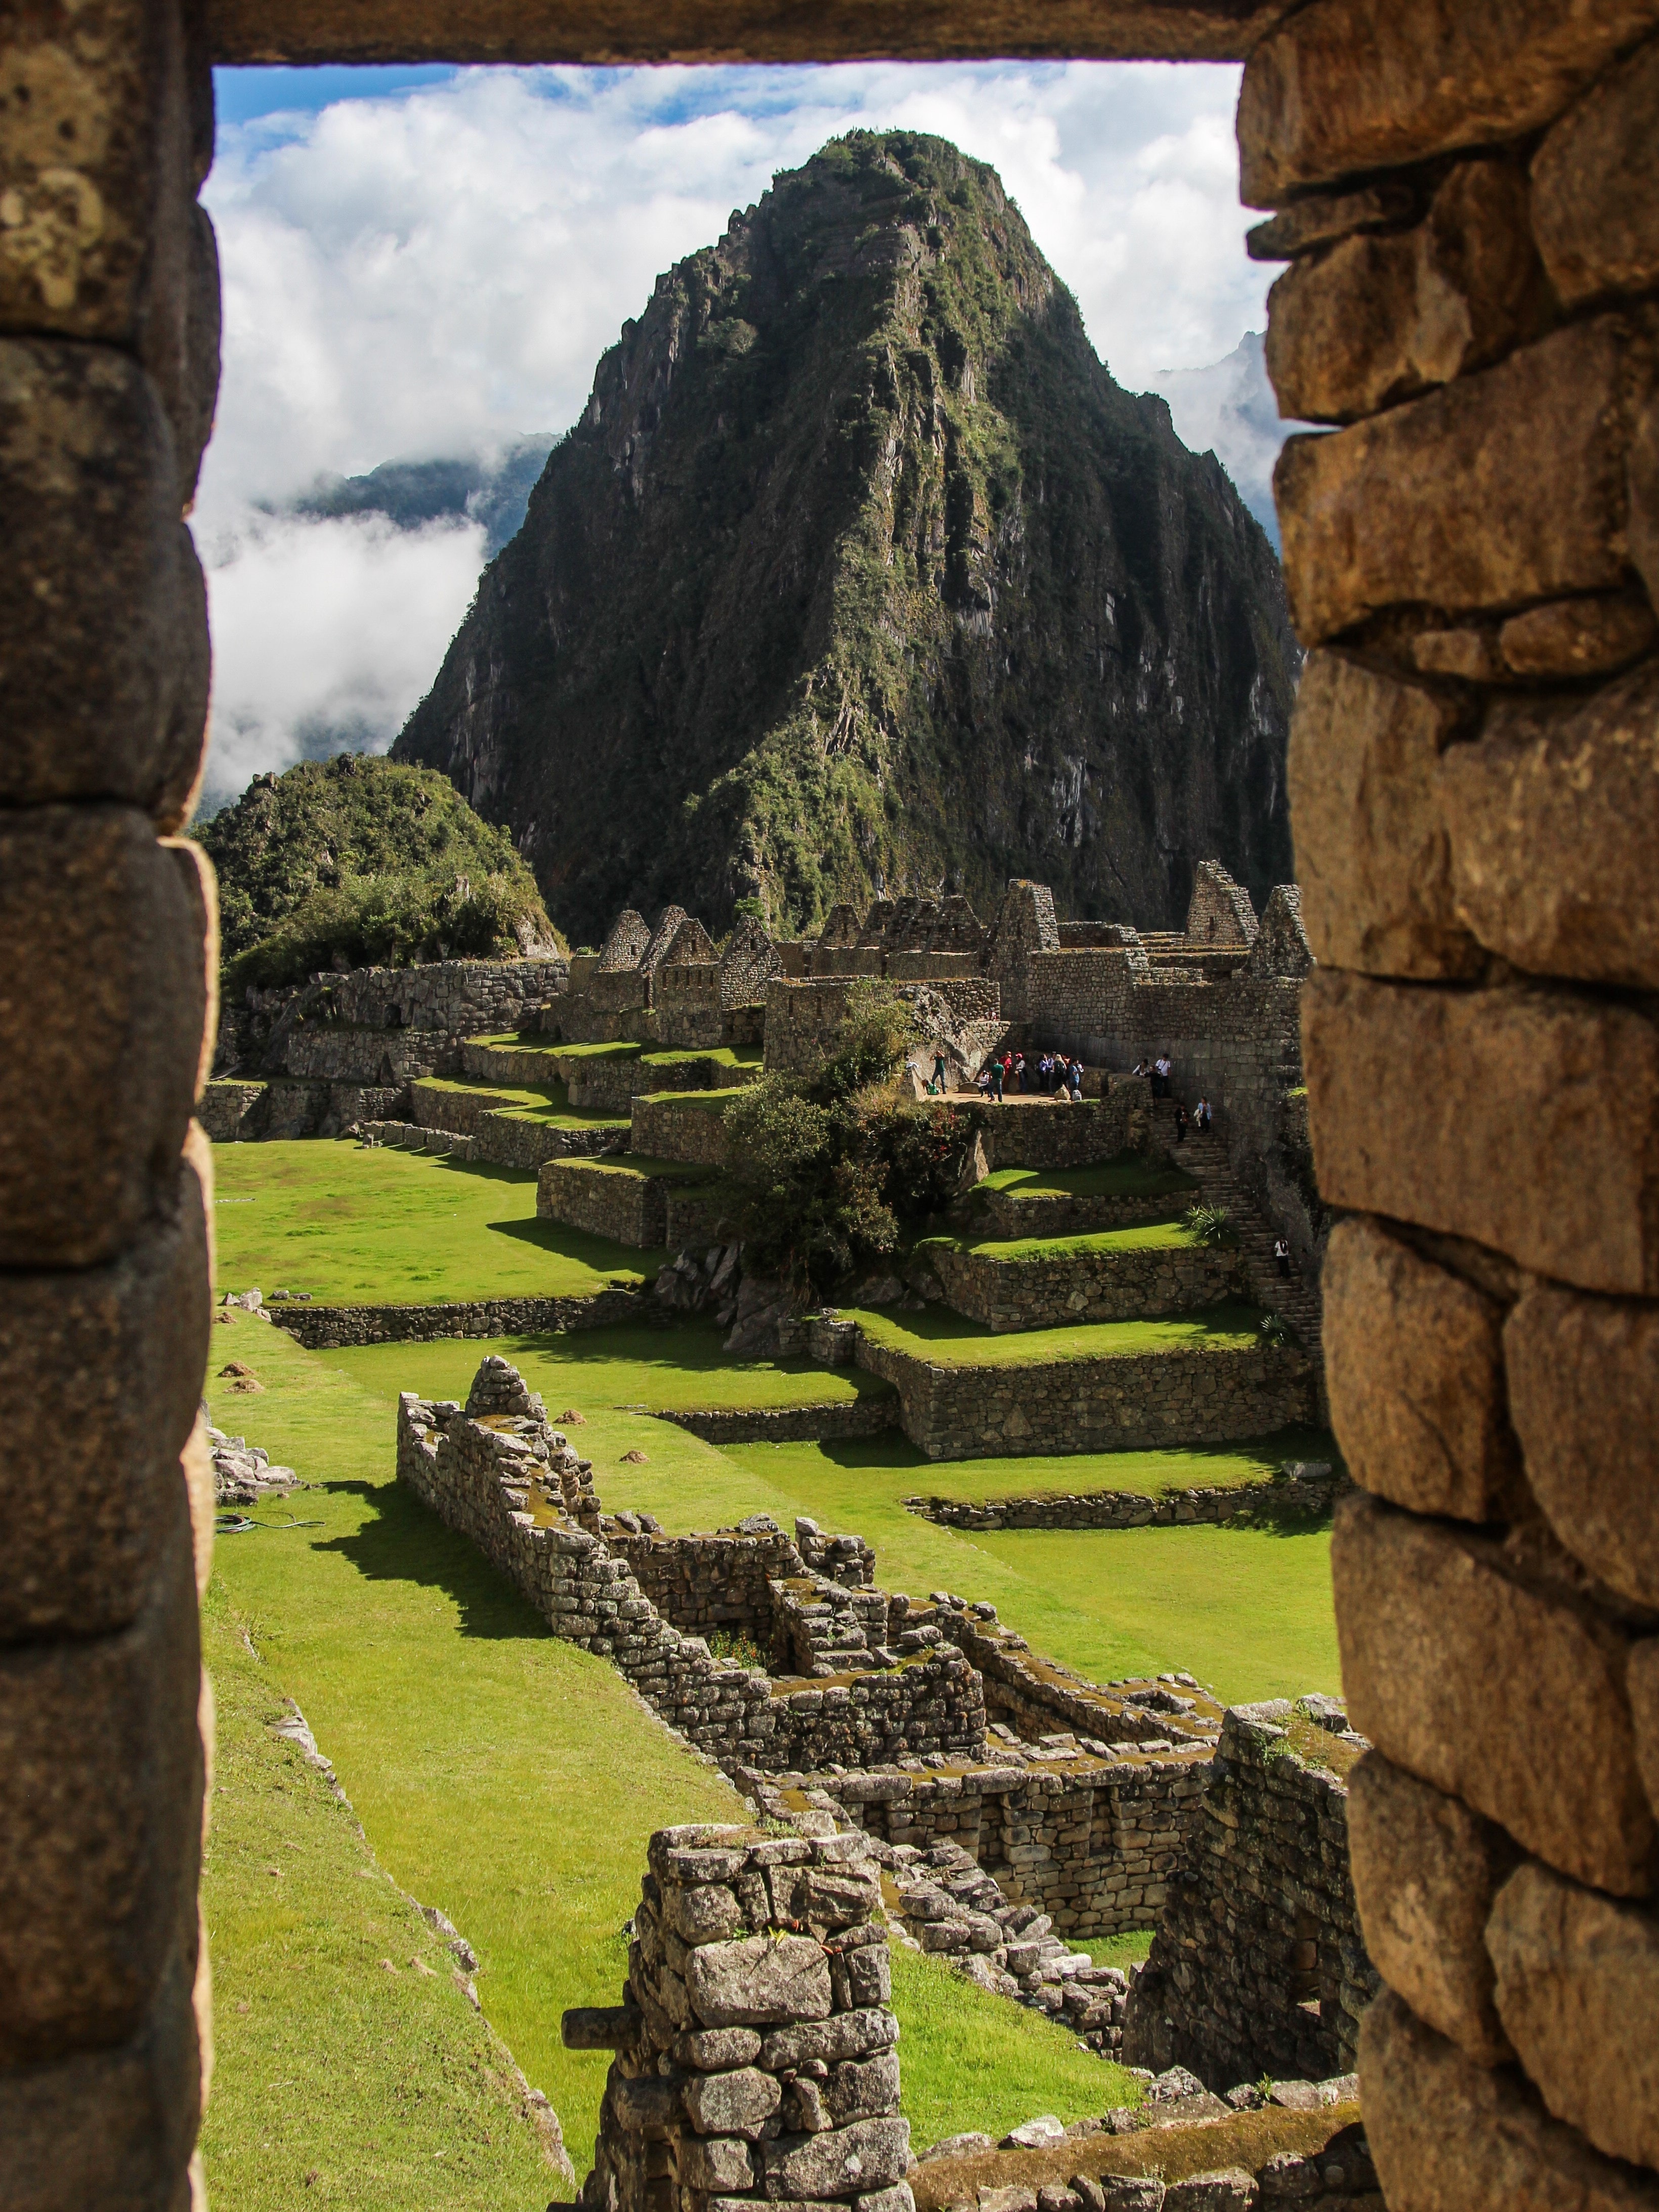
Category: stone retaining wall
[679,1129]
[502,1140]
[1009,1295]
[1312,1494]
[328,1052]
[1134,1402]
[224,1110]
[703,1582]
[1258,1966]
[695,1217]
[867,1416]
[319,1327]
[757,2058]
[1041,1133]
[1001,1213]
[622,1205]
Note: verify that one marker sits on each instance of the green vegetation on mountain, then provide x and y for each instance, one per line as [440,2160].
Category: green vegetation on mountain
[859,574]
[358,862]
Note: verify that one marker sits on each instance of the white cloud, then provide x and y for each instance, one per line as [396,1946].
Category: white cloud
[432,272]
[324,635]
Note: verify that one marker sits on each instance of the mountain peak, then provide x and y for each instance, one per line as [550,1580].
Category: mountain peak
[860,571]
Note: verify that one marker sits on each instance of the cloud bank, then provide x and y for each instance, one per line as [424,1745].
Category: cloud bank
[434,271]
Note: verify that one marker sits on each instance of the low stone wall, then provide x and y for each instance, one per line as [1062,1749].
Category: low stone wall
[321,1328]
[1134,1402]
[695,1216]
[756,2057]
[484,1480]
[602,1085]
[1009,1295]
[868,1416]
[1000,1214]
[1313,1493]
[460,1112]
[503,1140]
[506,1063]
[338,1052]
[1046,1133]
[1091,1843]
[1038,1698]
[620,1204]
[699,1583]
[1258,1964]
[225,1109]
[679,1129]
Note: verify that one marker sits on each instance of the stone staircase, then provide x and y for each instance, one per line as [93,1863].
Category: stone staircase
[1293,1297]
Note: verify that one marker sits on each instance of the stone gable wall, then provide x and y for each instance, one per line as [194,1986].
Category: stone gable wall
[1258,1966]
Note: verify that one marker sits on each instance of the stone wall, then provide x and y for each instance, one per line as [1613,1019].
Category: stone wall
[620,1204]
[867,1416]
[755,2056]
[1002,1213]
[1133,1402]
[1310,1490]
[498,1482]
[1089,1287]
[679,1129]
[1055,1135]
[1258,1966]
[704,1583]
[319,1327]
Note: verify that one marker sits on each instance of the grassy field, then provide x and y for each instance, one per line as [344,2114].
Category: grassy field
[1128,1175]
[502,1775]
[946,1339]
[385,1227]
[1141,1236]
[350,2069]
[548,1104]
[1246,1610]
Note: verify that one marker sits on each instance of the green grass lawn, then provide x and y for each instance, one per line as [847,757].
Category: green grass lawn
[500,1774]
[713,1102]
[1247,1610]
[538,1041]
[350,2069]
[946,1339]
[1128,1175]
[1139,1236]
[641,1163]
[718,1055]
[546,1104]
[378,1226]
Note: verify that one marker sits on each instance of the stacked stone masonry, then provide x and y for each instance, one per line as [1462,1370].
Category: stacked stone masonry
[1471,556]
[1258,1966]
[109,364]
[1013,1294]
[756,2050]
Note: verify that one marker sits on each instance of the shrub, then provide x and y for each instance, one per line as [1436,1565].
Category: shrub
[392,921]
[828,1171]
[1211,1224]
[735,1649]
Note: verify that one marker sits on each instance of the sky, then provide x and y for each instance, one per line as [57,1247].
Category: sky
[420,263]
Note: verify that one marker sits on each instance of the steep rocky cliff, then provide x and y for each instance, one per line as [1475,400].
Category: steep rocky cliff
[859,574]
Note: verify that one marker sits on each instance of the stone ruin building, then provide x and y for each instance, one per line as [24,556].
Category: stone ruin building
[1464,200]
[1012,1804]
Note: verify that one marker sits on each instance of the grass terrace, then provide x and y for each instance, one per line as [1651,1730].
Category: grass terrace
[1128,1175]
[548,1104]
[944,1338]
[717,1055]
[1139,1236]
[384,1227]
[638,1164]
[538,1041]
[713,1102]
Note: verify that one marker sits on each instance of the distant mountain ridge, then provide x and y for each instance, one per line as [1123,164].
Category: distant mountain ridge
[860,576]
[493,490]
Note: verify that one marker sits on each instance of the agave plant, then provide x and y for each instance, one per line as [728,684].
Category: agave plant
[1210,1224]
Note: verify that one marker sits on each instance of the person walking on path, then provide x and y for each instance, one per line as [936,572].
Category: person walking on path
[998,1070]
[1181,1123]
[1282,1256]
[1162,1068]
[1075,1082]
[1204,1118]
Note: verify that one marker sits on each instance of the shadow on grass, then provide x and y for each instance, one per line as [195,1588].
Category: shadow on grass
[403,1542]
[595,1252]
